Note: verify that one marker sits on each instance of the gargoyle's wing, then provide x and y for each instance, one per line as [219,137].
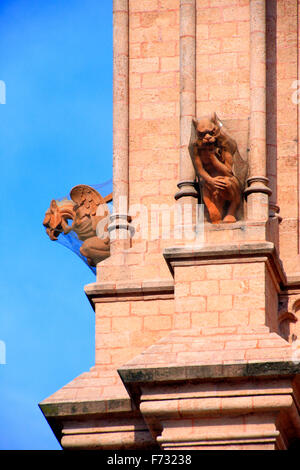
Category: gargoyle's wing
[193,139]
[88,199]
[240,168]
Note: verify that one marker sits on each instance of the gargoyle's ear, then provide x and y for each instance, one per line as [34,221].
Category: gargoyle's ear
[214,118]
[195,123]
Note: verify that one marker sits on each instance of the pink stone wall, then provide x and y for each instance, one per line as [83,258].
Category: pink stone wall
[288,133]
[125,328]
[154,101]
[215,295]
[223,63]
[222,85]
[154,134]
[221,295]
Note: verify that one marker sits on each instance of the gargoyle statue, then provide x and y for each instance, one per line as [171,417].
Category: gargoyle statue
[86,209]
[219,168]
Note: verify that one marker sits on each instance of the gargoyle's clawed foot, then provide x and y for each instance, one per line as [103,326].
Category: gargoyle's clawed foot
[216,221]
[229,219]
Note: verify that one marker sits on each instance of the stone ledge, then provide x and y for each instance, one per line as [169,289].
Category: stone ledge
[128,286]
[239,225]
[223,250]
[84,425]
[76,408]
[136,375]
[293,282]
[222,253]
[98,291]
[241,231]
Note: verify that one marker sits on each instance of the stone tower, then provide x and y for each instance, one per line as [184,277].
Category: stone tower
[197,323]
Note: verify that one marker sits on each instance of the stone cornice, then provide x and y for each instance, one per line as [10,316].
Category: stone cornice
[139,375]
[122,290]
[223,253]
[93,407]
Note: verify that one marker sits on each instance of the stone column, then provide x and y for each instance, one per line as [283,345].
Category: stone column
[258,192]
[271,104]
[119,226]
[187,193]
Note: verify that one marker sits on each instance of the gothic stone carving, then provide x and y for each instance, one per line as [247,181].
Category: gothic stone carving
[219,168]
[86,210]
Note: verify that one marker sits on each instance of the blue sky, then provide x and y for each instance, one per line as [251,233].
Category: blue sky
[55,133]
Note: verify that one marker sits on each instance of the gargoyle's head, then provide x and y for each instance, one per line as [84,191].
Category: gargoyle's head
[208,130]
[56,216]
[52,221]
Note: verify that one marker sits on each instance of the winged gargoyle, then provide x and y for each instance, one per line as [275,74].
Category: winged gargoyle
[86,209]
